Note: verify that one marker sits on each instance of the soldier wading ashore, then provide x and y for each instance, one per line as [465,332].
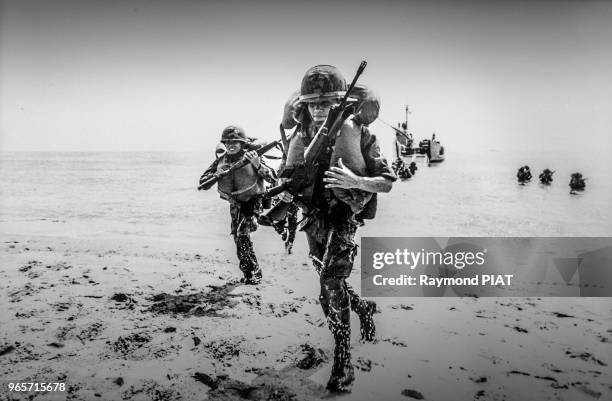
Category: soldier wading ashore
[243,188]
[349,172]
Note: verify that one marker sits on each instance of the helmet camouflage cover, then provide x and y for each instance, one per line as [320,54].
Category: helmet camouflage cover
[322,82]
[367,106]
[233,133]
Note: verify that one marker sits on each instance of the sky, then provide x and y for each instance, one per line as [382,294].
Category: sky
[169,75]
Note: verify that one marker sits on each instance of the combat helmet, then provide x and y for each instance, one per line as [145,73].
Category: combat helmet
[233,133]
[322,82]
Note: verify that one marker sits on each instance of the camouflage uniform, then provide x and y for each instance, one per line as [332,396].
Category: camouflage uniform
[288,227]
[244,222]
[244,216]
[330,224]
[330,227]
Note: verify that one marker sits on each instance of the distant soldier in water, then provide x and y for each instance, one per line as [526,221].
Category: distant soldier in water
[400,169]
[523,174]
[546,177]
[577,182]
[243,189]
[341,196]
[413,168]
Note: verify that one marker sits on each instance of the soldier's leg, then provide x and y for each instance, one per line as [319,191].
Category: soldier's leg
[317,242]
[292,223]
[316,236]
[337,265]
[365,309]
[248,261]
[242,226]
[279,226]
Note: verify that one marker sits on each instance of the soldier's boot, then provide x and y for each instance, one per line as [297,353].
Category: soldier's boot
[365,309]
[255,277]
[343,373]
[289,247]
[335,303]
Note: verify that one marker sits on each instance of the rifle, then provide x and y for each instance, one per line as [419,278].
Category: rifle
[301,176]
[209,182]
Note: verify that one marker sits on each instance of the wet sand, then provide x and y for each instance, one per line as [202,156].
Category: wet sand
[145,319]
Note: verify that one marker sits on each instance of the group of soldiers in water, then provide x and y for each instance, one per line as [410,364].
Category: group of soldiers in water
[402,171]
[577,181]
[337,192]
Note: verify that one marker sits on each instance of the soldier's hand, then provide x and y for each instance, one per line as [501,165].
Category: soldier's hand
[341,177]
[204,177]
[336,112]
[253,157]
[333,114]
[285,197]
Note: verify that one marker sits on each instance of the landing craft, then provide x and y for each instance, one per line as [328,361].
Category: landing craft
[432,149]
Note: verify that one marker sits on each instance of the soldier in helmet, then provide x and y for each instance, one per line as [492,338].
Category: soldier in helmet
[344,193]
[577,182]
[546,177]
[243,189]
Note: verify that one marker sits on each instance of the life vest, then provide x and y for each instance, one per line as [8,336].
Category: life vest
[295,158]
[368,104]
[289,110]
[241,184]
[348,148]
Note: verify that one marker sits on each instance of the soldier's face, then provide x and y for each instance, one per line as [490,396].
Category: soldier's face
[319,110]
[233,147]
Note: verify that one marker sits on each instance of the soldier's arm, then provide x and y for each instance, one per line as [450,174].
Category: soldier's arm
[263,171]
[377,164]
[375,184]
[380,175]
[209,171]
[342,177]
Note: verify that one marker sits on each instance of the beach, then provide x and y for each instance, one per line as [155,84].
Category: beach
[120,280]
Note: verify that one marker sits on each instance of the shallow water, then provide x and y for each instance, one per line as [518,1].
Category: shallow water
[153,194]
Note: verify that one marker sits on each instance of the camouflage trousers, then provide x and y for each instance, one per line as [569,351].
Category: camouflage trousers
[333,251]
[288,226]
[244,222]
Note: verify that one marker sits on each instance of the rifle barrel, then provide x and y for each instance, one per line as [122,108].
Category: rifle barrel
[362,67]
